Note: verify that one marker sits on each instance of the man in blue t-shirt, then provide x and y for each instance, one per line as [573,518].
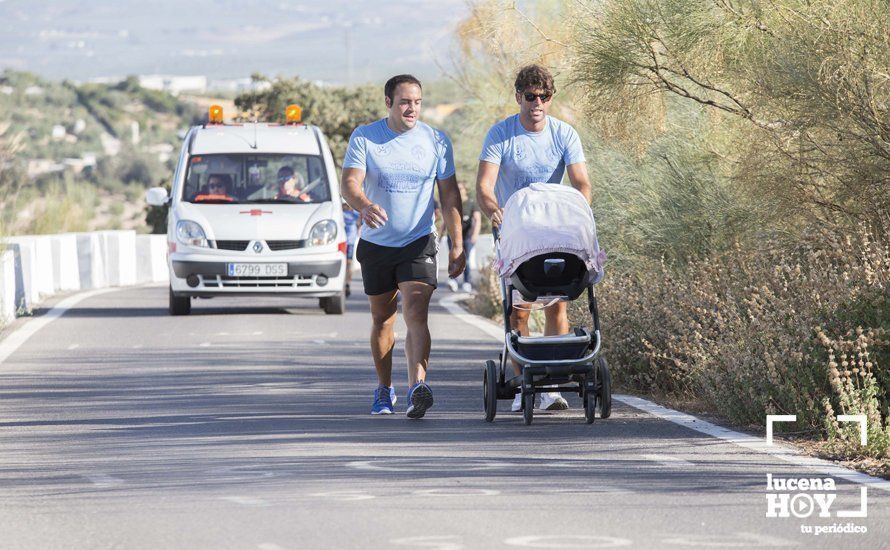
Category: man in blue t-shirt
[523,149]
[389,174]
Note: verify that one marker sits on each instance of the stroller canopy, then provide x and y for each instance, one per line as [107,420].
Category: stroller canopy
[545,217]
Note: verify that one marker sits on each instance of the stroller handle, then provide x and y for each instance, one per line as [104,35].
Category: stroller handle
[495,232]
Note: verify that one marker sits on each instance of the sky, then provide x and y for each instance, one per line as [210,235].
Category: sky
[337,41]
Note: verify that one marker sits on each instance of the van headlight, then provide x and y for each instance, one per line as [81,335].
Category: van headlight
[324,232]
[191,233]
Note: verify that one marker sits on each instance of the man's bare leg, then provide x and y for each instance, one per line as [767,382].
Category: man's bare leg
[415,311]
[519,321]
[556,319]
[383,316]
[556,322]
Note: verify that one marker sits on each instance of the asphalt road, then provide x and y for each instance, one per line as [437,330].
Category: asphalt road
[246,425]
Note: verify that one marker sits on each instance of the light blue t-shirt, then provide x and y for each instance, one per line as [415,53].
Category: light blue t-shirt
[528,157]
[400,175]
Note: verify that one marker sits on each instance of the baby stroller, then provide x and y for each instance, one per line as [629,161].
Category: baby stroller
[547,251]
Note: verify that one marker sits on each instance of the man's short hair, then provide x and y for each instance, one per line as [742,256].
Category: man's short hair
[284,169]
[389,89]
[224,179]
[534,76]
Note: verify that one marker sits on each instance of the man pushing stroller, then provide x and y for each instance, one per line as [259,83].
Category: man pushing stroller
[525,148]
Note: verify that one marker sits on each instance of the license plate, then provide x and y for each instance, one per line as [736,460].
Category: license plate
[257,270]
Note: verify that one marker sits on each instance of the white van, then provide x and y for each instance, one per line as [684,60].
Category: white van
[255,209]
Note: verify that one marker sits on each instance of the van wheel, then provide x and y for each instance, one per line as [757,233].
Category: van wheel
[334,305]
[180,305]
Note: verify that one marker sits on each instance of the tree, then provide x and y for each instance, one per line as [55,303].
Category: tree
[336,110]
[801,85]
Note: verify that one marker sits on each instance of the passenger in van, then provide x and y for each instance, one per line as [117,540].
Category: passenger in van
[290,185]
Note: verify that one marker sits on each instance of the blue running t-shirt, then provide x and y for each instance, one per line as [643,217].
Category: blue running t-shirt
[400,175]
[528,157]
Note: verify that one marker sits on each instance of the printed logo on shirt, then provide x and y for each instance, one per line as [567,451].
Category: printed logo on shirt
[402,178]
[383,149]
[418,152]
[518,152]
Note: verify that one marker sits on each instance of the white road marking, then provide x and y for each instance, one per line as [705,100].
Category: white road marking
[319,342]
[204,345]
[246,501]
[756,444]
[669,461]
[423,465]
[568,541]
[432,542]
[222,333]
[750,442]
[15,339]
[485,325]
[73,346]
[103,481]
[468,492]
[269,546]
[736,540]
[138,346]
[345,495]
[257,333]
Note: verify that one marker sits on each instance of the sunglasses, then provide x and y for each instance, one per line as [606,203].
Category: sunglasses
[284,178]
[531,97]
[216,184]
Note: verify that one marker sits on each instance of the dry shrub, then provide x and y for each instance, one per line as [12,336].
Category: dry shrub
[737,331]
[855,389]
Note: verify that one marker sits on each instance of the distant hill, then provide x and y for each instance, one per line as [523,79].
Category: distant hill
[337,41]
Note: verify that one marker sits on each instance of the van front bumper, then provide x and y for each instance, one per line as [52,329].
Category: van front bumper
[320,275]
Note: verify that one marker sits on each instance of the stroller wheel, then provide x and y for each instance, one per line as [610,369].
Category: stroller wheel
[605,387]
[590,403]
[490,390]
[528,406]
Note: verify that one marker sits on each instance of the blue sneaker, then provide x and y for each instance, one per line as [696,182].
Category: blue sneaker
[382,400]
[420,398]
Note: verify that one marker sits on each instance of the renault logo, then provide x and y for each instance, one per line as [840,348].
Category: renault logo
[258,247]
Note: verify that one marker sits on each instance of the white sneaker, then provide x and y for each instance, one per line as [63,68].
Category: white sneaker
[466,287]
[452,284]
[553,401]
[517,403]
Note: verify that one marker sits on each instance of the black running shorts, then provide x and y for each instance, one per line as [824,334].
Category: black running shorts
[384,267]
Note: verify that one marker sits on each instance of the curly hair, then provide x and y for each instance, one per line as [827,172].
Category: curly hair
[534,76]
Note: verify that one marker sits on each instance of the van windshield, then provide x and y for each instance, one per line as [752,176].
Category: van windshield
[247,179]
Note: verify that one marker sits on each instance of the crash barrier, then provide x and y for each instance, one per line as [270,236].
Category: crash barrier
[34,267]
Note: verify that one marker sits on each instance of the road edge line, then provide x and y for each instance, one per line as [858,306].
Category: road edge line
[747,441]
[15,339]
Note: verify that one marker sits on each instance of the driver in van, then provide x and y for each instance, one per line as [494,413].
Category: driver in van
[291,185]
[218,187]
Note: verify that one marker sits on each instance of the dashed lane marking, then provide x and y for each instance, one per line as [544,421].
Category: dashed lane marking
[669,461]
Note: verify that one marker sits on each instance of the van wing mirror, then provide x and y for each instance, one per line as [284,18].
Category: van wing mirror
[156,196]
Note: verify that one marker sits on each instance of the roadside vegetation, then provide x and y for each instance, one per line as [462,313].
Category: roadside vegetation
[740,160]
[83,154]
